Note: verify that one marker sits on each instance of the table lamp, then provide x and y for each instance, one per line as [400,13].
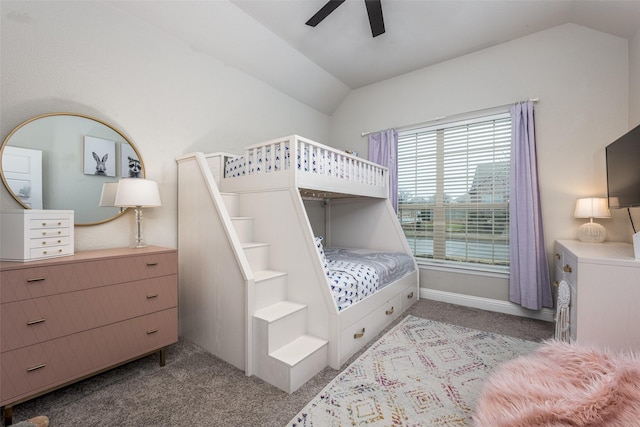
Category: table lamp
[137,193]
[592,207]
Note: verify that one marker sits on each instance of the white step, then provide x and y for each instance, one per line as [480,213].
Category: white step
[257,255]
[271,287]
[286,321]
[284,355]
[231,202]
[302,360]
[244,228]
[298,350]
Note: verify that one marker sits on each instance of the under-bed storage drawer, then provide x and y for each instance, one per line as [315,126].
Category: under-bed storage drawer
[408,296]
[43,366]
[358,334]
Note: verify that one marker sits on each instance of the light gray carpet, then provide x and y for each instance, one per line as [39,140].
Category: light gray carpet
[197,389]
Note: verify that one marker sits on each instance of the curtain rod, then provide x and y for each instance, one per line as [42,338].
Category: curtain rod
[437,119]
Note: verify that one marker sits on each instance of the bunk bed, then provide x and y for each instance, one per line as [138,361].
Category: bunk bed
[259,287]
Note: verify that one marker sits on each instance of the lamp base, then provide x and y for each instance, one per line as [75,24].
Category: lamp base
[138,242]
[592,232]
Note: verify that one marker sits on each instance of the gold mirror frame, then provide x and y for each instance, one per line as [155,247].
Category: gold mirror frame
[73,153]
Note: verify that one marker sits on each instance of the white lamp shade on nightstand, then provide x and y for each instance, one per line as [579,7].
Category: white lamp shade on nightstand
[592,207]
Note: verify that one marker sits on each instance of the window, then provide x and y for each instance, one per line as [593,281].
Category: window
[453,191]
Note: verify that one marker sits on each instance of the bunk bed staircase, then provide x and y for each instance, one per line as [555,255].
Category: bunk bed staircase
[285,355]
[253,285]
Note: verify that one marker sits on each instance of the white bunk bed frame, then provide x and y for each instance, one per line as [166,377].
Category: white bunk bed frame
[252,287]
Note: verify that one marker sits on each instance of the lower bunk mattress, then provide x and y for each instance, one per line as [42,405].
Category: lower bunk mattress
[356,273]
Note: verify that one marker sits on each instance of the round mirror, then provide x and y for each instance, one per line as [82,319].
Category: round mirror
[61,161]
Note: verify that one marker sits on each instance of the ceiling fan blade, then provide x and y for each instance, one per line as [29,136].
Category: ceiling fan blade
[374,10]
[329,7]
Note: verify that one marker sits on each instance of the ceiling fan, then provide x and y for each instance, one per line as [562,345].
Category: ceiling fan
[374,10]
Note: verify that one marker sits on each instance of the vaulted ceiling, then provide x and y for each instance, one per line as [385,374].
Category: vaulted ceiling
[320,65]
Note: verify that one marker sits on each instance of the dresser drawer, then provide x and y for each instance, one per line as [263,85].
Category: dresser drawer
[48,252]
[28,322]
[52,278]
[44,366]
[50,221]
[48,233]
[48,242]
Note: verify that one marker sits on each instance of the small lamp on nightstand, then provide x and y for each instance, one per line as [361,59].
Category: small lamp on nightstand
[137,193]
[592,207]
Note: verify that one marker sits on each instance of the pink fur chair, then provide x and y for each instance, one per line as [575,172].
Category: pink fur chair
[562,384]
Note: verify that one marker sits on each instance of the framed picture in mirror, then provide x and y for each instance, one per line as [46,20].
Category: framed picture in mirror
[99,156]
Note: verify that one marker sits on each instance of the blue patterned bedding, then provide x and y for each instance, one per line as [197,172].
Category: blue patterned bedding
[354,274]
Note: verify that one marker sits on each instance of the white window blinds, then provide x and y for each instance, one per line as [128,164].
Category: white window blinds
[453,190]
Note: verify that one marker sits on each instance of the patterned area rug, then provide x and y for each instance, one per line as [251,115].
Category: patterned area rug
[420,373]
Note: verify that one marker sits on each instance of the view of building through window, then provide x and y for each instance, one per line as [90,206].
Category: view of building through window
[453,190]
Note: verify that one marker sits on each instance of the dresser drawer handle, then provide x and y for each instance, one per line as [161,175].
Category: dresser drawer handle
[389,312]
[152,264]
[35,279]
[410,295]
[557,256]
[152,296]
[358,334]
[35,322]
[35,368]
[152,331]
[566,268]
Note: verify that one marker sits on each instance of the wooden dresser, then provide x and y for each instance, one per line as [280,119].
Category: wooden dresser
[63,319]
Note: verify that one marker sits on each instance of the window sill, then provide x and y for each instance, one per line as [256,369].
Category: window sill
[462,268]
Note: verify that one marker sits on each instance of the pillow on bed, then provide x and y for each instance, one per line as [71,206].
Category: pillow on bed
[323,258]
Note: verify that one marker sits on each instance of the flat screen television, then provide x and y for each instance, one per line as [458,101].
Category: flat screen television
[623,170]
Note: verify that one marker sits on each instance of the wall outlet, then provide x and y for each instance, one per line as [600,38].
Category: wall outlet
[636,245]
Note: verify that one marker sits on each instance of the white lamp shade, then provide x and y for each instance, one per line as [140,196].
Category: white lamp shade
[592,207]
[108,195]
[134,192]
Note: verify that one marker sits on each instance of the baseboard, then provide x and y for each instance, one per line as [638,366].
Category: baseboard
[488,304]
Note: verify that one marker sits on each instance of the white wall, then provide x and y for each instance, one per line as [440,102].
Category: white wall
[168,99]
[581,77]
[87,57]
[634,81]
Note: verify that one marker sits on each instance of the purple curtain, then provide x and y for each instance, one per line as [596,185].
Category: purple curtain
[529,283]
[383,150]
